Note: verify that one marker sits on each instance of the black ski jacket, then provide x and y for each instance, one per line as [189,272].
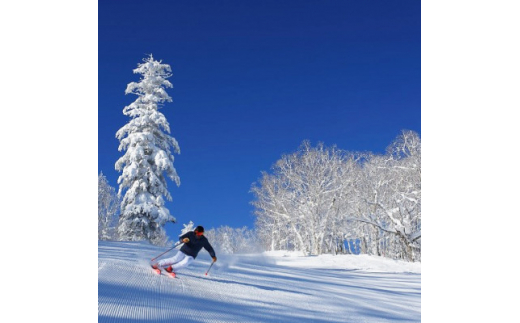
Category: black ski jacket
[193,247]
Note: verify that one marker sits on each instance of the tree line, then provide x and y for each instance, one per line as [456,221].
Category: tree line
[316,198]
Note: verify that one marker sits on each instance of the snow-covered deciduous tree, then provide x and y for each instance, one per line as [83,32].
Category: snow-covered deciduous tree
[390,199]
[108,206]
[148,158]
[225,237]
[299,204]
[187,228]
[317,198]
[233,240]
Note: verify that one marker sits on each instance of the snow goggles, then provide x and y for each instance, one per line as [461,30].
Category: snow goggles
[199,233]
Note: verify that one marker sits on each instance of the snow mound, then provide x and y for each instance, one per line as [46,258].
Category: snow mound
[349,262]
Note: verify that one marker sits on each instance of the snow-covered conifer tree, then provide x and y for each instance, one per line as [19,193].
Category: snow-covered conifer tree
[148,156]
[108,205]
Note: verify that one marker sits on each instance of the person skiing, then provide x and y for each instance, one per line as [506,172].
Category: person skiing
[193,241]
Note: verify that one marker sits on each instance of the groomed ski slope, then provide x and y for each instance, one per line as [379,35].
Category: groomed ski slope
[268,287]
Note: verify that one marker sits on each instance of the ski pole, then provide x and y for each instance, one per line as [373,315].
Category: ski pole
[174,246]
[209,268]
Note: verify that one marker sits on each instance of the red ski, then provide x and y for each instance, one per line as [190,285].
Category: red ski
[158,271]
[169,272]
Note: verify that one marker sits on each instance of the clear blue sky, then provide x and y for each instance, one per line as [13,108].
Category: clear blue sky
[252,80]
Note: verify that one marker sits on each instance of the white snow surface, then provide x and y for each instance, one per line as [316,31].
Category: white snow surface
[267,287]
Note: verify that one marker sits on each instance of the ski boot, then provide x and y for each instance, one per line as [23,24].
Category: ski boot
[170,271]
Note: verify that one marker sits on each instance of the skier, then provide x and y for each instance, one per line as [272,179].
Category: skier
[193,242]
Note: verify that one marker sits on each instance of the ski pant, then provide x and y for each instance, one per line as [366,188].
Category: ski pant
[180,260]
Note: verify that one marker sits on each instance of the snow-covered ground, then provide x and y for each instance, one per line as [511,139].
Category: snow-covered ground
[268,287]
